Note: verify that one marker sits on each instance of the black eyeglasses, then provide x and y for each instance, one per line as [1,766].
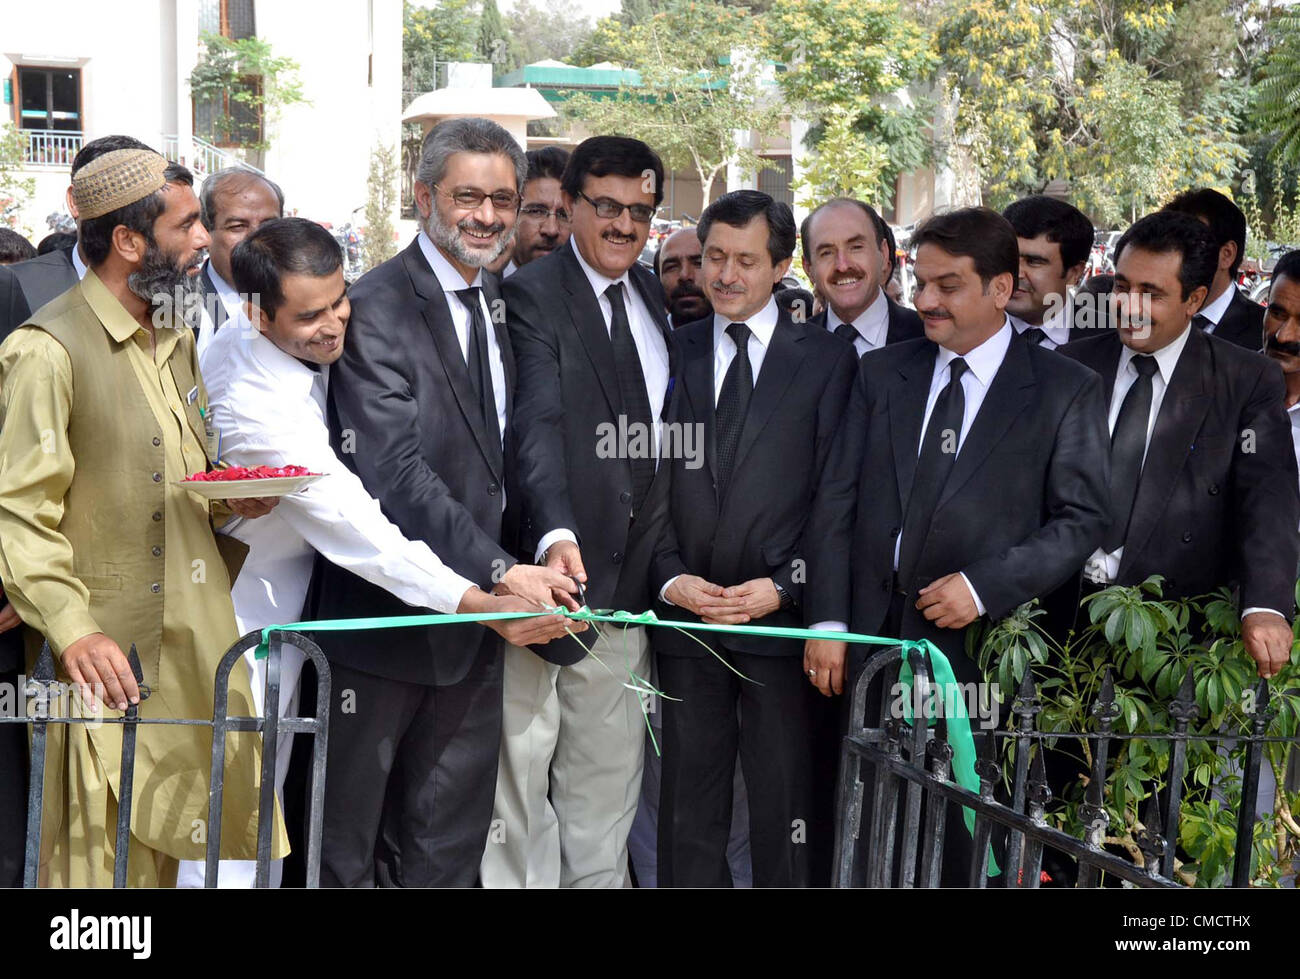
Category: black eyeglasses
[470,199]
[540,212]
[607,207]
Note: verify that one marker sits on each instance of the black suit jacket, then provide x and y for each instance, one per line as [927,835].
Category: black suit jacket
[756,529]
[1025,503]
[27,286]
[404,418]
[568,390]
[211,299]
[1214,506]
[1242,322]
[904,323]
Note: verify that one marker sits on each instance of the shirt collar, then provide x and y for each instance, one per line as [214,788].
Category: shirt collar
[872,323]
[599,282]
[1214,311]
[1166,357]
[448,277]
[510,269]
[229,297]
[283,367]
[120,324]
[762,325]
[1055,327]
[77,263]
[984,360]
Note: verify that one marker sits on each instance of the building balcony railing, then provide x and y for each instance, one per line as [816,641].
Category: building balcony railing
[51,147]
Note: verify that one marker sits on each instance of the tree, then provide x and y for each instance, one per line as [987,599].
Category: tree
[847,164]
[380,201]
[1277,97]
[696,90]
[246,86]
[15,191]
[495,44]
[850,59]
[447,32]
[556,31]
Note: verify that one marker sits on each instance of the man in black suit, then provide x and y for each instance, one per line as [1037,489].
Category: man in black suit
[588,327]
[1226,313]
[1203,473]
[1055,240]
[677,263]
[969,474]
[768,394]
[418,406]
[847,257]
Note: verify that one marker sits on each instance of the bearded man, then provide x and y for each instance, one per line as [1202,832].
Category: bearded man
[101,415]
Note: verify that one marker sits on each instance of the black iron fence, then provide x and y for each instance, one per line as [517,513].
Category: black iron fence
[42,691]
[896,792]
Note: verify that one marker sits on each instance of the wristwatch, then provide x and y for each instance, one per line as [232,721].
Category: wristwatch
[783,595]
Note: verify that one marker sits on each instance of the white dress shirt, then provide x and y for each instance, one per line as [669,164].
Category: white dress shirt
[761,327]
[1213,311]
[236,321]
[77,263]
[871,325]
[270,411]
[1056,328]
[651,348]
[982,365]
[1103,568]
[452,281]
[510,269]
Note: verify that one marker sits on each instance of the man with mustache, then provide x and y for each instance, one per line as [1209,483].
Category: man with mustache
[677,263]
[846,256]
[1203,475]
[100,549]
[589,330]
[1282,333]
[543,219]
[420,406]
[1055,240]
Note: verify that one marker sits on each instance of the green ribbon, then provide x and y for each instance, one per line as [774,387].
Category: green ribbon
[959,731]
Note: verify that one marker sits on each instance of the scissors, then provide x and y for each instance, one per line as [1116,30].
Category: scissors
[582,592]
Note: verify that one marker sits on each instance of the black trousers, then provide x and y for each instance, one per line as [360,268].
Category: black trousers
[13,787]
[411,777]
[773,722]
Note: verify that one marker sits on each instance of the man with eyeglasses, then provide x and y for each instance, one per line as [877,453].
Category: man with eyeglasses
[591,340]
[543,219]
[419,408]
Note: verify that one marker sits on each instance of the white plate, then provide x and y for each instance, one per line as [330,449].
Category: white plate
[242,489]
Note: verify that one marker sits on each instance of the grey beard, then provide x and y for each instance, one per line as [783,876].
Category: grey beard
[447,237]
[172,294]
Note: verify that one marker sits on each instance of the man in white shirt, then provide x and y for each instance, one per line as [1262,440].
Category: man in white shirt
[846,255]
[270,409]
[236,201]
[1055,240]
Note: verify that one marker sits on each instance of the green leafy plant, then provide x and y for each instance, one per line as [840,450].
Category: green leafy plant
[1149,644]
[380,200]
[15,190]
[250,85]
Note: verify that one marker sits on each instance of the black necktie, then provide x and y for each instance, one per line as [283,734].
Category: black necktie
[631,389]
[479,362]
[845,331]
[1201,322]
[1034,335]
[1128,444]
[733,403]
[938,452]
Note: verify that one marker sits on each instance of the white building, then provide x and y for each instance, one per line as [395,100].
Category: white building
[75,70]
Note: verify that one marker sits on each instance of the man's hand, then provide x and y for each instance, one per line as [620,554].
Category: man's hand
[96,661]
[741,603]
[565,557]
[8,616]
[692,593]
[948,603]
[521,632]
[542,587]
[823,664]
[1268,638]
[253,507]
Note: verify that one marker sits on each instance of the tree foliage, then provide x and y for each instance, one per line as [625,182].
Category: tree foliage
[253,78]
[1277,97]
[15,191]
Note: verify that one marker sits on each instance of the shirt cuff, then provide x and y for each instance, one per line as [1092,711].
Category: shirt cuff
[663,592]
[829,627]
[66,628]
[979,606]
[545,543]
[1261,609]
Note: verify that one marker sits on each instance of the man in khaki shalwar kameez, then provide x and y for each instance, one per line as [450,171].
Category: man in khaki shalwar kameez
[101,412]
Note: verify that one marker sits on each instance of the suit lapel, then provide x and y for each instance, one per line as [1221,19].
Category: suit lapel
[438,319]
[1008,395]
[906,412]
[780,364]
[589,323]
[697,372]
[1182,412]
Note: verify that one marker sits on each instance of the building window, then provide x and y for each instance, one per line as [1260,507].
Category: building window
[229,18]
[226,120]
[49,98]
[776,183]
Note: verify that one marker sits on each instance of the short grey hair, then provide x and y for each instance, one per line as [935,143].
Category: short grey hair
[212,187]
[469,135]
